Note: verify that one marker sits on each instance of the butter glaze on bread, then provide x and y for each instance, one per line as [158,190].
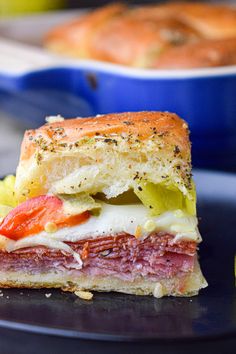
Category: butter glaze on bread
[104,153]
[207,53]
[75,38]
[148,35]
[212,21]
[153,38]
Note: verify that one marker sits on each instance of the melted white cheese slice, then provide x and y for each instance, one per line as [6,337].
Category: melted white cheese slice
[113,220]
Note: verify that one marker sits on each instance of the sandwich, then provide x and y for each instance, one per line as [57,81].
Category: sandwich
[105,203]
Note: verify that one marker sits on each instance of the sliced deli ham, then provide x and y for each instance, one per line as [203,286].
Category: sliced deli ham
[123,256]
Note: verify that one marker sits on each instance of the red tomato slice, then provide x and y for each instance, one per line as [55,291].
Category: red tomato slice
[31,217]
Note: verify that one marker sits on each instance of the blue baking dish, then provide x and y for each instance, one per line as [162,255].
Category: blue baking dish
[34,83]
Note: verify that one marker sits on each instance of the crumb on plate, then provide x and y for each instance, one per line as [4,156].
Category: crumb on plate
[85,295]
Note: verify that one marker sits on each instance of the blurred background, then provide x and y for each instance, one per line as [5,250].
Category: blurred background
[23,21]
[16,7]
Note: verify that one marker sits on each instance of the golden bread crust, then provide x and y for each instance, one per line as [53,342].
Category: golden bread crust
[207,53]
[138,36]
[212,21]
[153,36]
[104,154]
[75,37]
[141,124]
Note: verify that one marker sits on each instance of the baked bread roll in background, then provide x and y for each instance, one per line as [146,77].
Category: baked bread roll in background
[151,36]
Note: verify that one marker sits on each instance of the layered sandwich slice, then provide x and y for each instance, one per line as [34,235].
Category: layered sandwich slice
[104,203]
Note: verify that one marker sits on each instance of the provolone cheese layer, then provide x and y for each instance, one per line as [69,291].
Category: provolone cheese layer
[116,219]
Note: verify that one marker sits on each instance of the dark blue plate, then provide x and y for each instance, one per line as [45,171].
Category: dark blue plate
[112,323]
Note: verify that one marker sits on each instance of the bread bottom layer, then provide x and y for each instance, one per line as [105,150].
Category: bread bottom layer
[187,285]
